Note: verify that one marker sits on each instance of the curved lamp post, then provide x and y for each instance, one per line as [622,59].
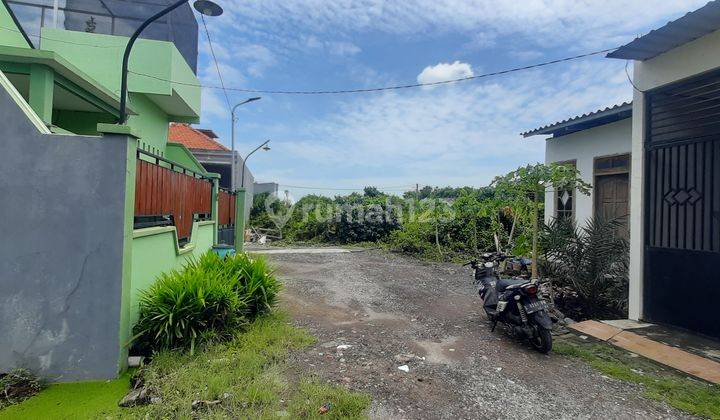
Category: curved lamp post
[263,146]
[232,139]
[206,7]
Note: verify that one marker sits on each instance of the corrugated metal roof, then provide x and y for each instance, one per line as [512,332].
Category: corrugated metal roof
[674,34]
[585,121]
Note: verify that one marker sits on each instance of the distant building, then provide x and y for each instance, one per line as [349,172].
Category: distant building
[266,187]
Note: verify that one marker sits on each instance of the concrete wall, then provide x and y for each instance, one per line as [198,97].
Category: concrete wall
[62,204]
[265,187]
[583,147]
[691,59]
[156,250]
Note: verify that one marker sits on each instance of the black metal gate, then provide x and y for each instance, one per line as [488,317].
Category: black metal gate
[682,211]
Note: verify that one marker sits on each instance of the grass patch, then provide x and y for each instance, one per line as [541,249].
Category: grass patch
[249,375]
[659,383]
[76,400]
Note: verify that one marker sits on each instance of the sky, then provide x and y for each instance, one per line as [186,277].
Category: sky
[458,134]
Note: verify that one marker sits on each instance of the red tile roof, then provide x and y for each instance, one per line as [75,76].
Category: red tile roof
[192,138]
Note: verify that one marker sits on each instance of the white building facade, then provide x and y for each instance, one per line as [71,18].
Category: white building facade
[598,145]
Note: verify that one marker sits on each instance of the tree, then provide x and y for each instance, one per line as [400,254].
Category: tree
[528,184]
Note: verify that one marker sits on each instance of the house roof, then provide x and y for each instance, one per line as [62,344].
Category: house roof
[193,138]
[585,121]
[674,34]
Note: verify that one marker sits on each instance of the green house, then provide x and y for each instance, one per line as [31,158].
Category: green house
[92,211]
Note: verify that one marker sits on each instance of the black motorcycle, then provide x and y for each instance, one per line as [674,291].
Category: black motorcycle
[513,302]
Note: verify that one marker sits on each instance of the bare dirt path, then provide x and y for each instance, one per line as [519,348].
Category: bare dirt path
[395,311]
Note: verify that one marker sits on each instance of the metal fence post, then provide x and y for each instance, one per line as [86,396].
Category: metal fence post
[214,206]
[239,219]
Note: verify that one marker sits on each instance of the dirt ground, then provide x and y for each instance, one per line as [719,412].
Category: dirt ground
[394,311]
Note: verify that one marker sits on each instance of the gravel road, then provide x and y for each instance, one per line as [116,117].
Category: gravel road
[393,311]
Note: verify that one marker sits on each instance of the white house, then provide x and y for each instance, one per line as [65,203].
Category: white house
[598,144]
[666,147]
[675,181]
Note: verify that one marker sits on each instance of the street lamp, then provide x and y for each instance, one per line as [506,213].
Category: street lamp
[263,146]
[206,7]
[232,139]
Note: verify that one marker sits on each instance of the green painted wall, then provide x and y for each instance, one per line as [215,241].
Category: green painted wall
[9,33]
[151,122]
[158,61]
[156,102]
[157,252]
[180,154]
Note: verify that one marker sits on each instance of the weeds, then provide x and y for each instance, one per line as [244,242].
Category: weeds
[248,375]
[661,384]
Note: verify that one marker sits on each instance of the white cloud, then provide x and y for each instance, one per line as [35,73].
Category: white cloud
[549,22]
[445,71]
[464,134]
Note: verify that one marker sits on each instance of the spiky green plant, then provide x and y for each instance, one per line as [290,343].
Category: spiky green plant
[592,260]
[183,307]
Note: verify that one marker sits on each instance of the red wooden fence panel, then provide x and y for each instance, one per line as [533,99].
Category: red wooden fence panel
[164,191]
[226,208]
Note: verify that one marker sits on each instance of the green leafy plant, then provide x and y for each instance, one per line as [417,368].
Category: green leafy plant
[527,184]
[207,300]
[593,261]
[185,307]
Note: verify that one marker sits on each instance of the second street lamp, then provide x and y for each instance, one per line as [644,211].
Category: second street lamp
[263,146]
[232,139]
[206,7]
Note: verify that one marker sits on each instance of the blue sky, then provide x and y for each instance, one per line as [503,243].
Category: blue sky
[460,134]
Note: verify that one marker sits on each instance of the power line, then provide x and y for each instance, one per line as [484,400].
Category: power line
[331,92]
[217,66]
[385,88]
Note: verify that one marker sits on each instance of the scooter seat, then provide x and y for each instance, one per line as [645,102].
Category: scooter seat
[503,284]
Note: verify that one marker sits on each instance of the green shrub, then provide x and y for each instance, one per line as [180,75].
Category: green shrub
[592,261]
[185,307]
[207,300]
[253,280]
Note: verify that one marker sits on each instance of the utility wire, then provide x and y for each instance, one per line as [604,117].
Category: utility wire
[217,66]
[333,92]
[385,88]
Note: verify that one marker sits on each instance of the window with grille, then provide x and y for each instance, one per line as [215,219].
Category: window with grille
[565,199]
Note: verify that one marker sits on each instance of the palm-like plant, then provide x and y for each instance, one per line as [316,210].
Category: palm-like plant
[592,260]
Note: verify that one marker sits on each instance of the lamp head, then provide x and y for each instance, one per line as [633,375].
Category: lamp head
[208,8]
[266,148]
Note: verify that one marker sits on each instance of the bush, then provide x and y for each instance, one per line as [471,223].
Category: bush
[185,307]
[207,300]
[592,262]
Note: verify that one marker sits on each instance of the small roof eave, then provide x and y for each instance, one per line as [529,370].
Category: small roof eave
[585,121]
[675,33]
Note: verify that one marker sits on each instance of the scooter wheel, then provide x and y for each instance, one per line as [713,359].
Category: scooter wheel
[542,340]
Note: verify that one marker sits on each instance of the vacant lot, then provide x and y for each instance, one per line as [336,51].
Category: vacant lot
[394,311]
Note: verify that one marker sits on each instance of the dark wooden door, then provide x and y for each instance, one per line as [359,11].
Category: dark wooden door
[612,195]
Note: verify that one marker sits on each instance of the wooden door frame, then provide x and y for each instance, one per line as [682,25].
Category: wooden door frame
[627,171]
